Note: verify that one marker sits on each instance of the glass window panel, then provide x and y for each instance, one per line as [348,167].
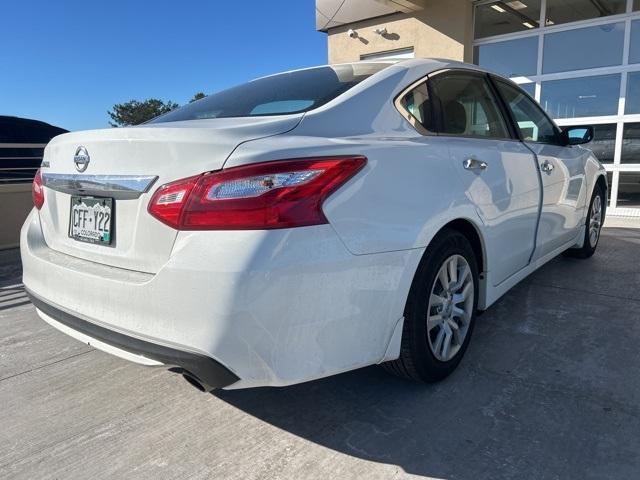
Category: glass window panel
[515,58]
[497,18]
[533,124]
[631,143]
[420,107]
[581,97]
[634,47]
[530,88]
[468,107]
[289,92]
[563,11]
[632,102]
[610,183]
[636,4]
[603,144]
[629,190]
[591,47]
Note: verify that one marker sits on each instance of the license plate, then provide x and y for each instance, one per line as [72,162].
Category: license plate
[91,220]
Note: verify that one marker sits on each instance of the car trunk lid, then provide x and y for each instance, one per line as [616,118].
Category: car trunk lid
[127,165]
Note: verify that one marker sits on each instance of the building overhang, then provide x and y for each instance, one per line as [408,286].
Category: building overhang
[334,13]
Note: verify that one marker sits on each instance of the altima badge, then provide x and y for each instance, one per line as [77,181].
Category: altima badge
[81,159]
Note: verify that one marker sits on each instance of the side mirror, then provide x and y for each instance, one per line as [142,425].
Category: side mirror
[577,135]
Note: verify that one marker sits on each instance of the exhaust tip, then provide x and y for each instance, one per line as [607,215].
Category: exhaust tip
[193,381]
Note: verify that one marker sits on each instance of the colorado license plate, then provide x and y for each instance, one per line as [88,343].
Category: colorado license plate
[91,219]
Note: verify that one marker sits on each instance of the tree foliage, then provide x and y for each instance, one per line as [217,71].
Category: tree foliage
[197,96]
[135,112]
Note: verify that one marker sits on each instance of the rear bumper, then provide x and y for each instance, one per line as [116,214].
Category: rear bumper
[273,307]
[209,372]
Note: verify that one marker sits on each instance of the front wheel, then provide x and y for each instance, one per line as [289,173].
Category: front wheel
[440,310]
[593,226]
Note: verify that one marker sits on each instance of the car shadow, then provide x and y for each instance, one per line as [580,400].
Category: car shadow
[12,292]
[531,399]
[465,427]
[453,429]
[366,413]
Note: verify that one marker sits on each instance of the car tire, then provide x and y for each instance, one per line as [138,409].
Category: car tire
[593,226]
[422,352]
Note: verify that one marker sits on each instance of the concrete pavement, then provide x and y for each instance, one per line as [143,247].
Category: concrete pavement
[549,389]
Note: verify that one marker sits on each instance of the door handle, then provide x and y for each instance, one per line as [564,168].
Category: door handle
[547,166]
[474,164]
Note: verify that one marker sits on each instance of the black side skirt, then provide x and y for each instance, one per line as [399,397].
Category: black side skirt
[209,372]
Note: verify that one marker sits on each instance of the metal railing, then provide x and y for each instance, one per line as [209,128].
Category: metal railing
[19,162]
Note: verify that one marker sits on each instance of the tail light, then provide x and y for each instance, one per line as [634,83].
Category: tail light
[37,190]
[259,196]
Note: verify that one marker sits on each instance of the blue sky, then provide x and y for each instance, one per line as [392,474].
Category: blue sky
[67,62]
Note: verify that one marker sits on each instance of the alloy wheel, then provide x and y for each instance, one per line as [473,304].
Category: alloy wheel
[595,221]
[450,308]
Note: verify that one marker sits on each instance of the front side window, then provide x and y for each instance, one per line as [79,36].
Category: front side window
[533,124]
[282,94]
[466,106]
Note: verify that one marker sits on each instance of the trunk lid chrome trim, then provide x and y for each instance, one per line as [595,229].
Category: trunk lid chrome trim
[119,187]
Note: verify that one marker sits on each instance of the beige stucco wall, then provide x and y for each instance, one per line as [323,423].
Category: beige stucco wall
[443,29]
[15,204]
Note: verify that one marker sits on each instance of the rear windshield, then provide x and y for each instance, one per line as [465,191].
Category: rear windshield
[281,94]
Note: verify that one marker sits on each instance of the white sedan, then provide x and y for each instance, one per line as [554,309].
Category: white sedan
[309,223]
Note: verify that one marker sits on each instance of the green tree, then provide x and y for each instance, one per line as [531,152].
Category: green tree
[135,112]
[197,96]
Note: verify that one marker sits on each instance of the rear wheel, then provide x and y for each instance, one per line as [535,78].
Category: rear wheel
[593,225]
[440,310]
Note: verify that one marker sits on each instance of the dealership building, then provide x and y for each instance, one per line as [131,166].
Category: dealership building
[579,58]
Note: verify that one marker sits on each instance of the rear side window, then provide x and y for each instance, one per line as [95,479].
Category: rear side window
[417,107]
[533,123]
[467,107]
[285,93]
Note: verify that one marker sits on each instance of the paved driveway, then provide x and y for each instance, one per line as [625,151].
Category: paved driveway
[550,388]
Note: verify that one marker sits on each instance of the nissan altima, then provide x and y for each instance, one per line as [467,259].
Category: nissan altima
[309,223]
